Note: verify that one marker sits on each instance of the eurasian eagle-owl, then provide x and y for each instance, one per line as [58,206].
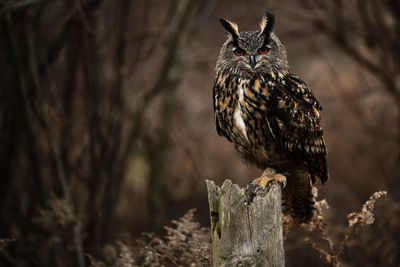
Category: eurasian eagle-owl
[269,114]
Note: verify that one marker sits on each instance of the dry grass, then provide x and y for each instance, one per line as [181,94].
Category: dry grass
[119,255]
[188,244]
[332,255]
[185,244]
[58,216]
[4,242]
[58,220]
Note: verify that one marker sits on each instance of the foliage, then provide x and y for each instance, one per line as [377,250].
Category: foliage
[186,244]
[356,221]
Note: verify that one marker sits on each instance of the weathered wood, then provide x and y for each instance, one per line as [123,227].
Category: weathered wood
[244,232]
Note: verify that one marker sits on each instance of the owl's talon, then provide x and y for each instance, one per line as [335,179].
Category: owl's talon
[252,188]
[257,188]
[281,178]
[251,191]
[266,179]
[248,185]
[283,182]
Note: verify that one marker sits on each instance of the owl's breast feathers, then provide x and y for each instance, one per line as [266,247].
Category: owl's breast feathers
[280,114]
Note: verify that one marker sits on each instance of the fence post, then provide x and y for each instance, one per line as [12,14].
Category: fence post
[245,232]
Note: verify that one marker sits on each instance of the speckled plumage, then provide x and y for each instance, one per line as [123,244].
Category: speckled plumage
[269,114]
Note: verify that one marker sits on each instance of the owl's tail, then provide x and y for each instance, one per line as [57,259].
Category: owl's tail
[298,198]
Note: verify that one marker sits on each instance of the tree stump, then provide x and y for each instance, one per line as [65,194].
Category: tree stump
[245,231]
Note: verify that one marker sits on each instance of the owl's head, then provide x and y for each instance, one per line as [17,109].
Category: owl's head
[247,53]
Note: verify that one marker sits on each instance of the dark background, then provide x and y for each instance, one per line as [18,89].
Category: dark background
[106,119]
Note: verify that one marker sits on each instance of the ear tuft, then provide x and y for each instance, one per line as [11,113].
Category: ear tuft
[267,25]
[231,28]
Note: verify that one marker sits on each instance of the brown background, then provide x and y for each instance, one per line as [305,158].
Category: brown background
[107,105]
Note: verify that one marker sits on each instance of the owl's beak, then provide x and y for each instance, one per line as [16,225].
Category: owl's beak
[252,61]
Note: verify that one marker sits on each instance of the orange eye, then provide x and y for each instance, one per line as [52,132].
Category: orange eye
[263,50]
[238,52]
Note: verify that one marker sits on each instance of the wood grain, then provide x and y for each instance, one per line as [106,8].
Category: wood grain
[245,231]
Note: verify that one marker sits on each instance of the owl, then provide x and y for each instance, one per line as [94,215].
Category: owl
[270,115]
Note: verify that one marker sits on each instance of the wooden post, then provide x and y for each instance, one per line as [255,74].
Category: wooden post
[245,232]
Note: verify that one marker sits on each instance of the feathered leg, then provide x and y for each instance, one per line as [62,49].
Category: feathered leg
[298,198]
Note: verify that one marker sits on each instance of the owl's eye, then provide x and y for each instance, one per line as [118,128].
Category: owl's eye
[238,51]
[263,50]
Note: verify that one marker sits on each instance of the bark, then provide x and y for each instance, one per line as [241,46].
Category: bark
[246,231]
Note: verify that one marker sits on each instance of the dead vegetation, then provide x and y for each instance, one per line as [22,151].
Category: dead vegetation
[356,221]
[4,242]
[185,244]
[188,244]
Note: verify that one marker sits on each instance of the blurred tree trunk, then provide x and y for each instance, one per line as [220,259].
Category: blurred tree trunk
[167,83]
[66,129]
[20,115]
[118,107]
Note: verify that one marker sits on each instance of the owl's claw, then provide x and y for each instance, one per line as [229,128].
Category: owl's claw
[248,185]
[283,182]
[265,180]
[252,187]
[257,188]
[251,190]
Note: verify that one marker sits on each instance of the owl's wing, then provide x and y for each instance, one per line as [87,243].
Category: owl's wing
[294,120]
[216,92]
